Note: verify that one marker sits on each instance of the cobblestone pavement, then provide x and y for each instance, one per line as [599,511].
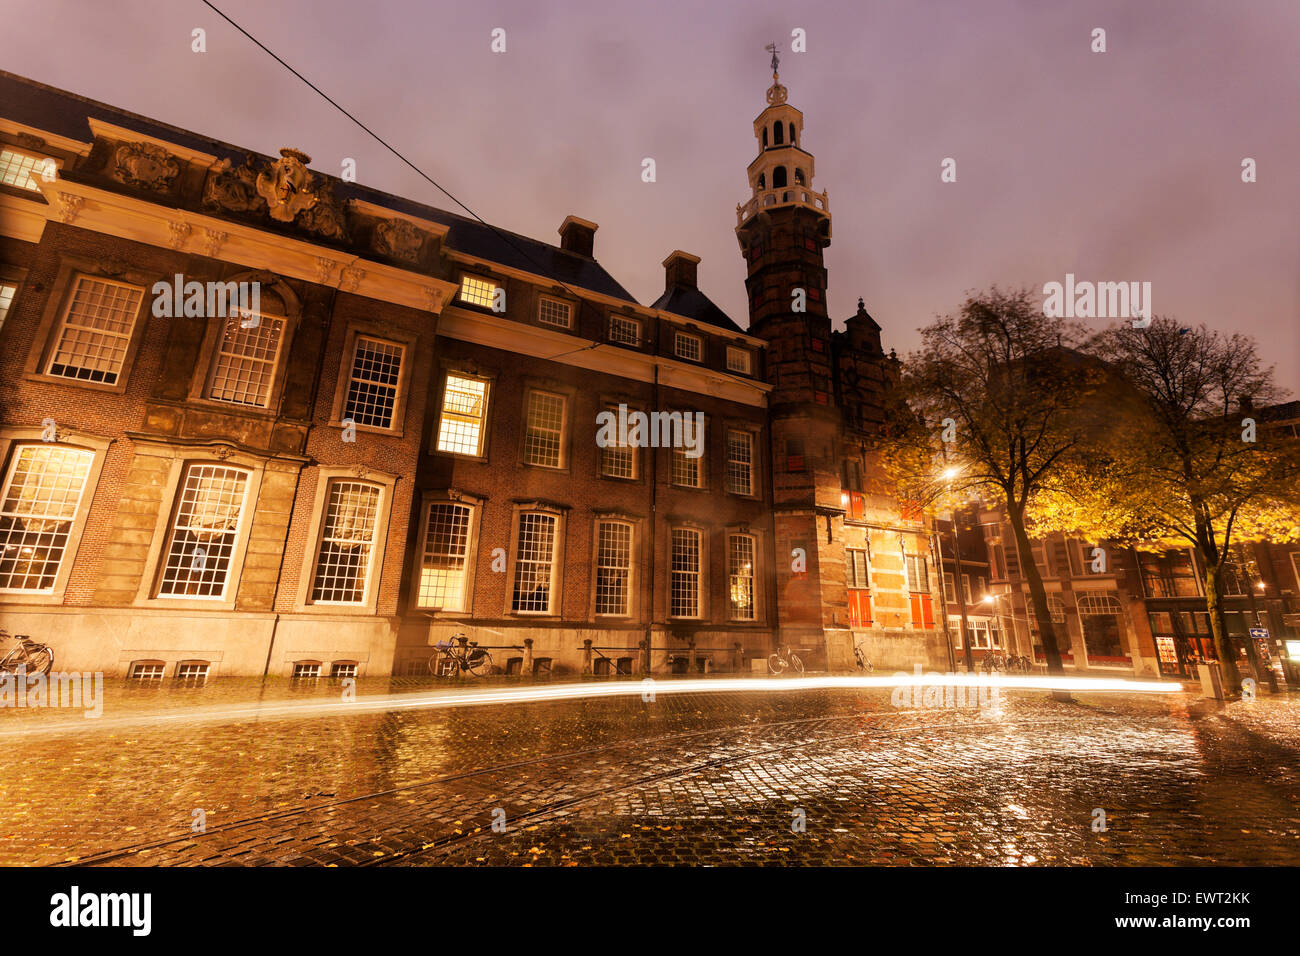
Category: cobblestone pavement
[810,777]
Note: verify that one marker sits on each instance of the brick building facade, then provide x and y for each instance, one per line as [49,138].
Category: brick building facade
[400,445]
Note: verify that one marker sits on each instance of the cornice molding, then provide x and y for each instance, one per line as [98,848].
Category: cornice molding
[126,217]
[120,133]
[54,140]
[497,332]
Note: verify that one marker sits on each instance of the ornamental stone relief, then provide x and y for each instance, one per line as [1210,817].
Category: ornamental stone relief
[286,189]
[399,239]
[144,165]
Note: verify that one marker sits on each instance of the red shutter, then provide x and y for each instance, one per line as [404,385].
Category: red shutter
[859,608]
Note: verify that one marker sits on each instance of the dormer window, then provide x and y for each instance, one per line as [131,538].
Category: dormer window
[20,169]
[687,346]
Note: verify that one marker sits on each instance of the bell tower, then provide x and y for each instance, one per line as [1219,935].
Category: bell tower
[783,228]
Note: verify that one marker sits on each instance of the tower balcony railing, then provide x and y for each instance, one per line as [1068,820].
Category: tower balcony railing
[783,196]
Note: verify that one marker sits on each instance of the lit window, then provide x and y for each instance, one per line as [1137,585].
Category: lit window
[544,433]
[42,493]
[446,553]
[244,369]
[19,169]
[740,574]
[7,293]
[618,461]
[624,330]
[613,567]
[347,539]
[556,313]
[685,573]
[96,331]
[372,389]
[464,406]
[534,563]
[740,462]
[477,291]
[686,471]
[738,360]
[689,347]
[203,533]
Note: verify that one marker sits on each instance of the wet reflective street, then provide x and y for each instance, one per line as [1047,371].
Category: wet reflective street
[806,777]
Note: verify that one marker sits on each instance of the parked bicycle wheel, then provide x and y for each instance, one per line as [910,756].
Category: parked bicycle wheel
[39,659]
[796,663]
[776,664]
[478,662]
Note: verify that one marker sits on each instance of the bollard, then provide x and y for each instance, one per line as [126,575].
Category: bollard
[690,644]
[644,645]
[737,657]
[586,656]
[526,667]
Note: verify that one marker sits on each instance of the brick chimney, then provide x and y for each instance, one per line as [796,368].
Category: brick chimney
[680,270]
[578,236]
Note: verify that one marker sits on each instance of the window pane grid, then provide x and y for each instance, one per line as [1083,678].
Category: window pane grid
[618,461]
[42,493]
[737,360]
[686,470]
[544,429]
[346,541]
[613,567]
[7,293]
[534,558]
[689,347]
[685,589]
[477,291]
[446,549]
[740,570]
[460,430]
[372,392]
[626,331]
[203,532]
[18,169]
[246,359]
[556,313]
[740,463]
[96,331]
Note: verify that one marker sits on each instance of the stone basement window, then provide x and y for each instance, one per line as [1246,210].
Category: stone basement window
[306,670]
[192,672]
[341,669]
[147,672]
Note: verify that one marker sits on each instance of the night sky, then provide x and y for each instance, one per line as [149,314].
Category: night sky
[1117,166]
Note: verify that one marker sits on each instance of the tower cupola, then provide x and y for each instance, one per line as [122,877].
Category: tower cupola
[782,173]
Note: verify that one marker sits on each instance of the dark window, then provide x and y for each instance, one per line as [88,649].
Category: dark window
[779,177]
[778,134]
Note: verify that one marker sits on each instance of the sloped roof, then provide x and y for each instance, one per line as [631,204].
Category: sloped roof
[67,114]
[694,304]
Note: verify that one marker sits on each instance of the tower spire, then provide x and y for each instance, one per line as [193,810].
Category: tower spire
[773,49]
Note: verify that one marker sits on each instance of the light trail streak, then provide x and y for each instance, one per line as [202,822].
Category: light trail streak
[558,692]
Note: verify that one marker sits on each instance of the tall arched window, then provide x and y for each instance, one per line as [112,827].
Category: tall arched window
[778,132]
[778,177]
[765,137]
[762,180]
[792,142]
[799,179]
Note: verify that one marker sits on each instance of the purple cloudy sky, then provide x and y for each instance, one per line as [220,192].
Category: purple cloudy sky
[1115,166]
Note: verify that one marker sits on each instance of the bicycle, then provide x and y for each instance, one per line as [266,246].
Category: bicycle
[36,658]
[861,659]
[458,656]
[784,659]
[993,662]
[1019,664]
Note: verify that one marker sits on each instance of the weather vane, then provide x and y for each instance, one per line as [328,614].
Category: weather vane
[772,48]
